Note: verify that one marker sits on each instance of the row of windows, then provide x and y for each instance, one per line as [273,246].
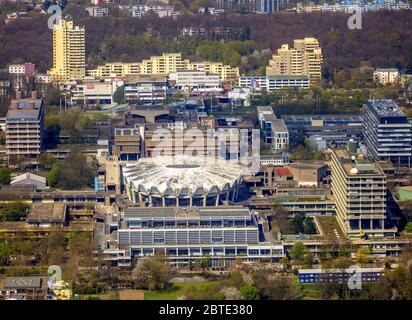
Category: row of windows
[187,237]
[204,251]
[190,223]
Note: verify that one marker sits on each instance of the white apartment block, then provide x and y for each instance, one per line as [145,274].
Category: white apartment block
[262,111]
[198,81]
[94,92]
[97,11]
[17,69]
[386,76]
[271,84]
[280,136]
[161,10]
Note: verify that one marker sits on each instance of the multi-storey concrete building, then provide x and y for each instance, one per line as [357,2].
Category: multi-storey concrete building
[349,6]
[97,11]
[94,92]
[274,130]
[198,81]
[128,143]
[164,65]
[267,6]
[146,89]
[182,180]
[331,129]
[279,136]
[184,235]
[26,69]
[271,84]
[387,132]
[115,69]
[386,76]
[225,72]
[69,58]
[359,188]
[305,58]
[160,10]
[24,126]
[239,6]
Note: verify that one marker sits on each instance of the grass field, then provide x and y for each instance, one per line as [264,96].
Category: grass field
[310,292]
[178,290]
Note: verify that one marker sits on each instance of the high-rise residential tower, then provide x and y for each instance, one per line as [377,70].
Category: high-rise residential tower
[68,51]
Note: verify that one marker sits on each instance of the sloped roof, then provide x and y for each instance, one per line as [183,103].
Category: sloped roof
[28,176]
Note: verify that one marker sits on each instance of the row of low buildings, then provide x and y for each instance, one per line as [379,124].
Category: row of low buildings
[154,89]
[69,60]
[290,67]
[251,6]
[383,128]
[143,89]
[160,10]
[350,6]
[164,65]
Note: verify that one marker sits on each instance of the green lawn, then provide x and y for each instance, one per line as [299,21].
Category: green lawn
[310,291]
[178,289]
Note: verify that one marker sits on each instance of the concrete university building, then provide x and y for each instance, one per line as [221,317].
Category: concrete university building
[184,235]
[387,132]
[359,188]
[182,181]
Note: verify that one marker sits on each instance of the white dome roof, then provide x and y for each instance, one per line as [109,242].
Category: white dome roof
[182,173]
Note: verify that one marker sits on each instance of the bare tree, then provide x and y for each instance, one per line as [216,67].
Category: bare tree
[153,273]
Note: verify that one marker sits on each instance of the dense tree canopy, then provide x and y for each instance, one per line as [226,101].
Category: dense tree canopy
[5,175]
[13,211]
[384,41]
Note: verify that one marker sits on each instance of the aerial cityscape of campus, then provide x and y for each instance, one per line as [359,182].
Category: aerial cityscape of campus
[205,150]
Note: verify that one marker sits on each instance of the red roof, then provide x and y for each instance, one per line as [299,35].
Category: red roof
[283,171]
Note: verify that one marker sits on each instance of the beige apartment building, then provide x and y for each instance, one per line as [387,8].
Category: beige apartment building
[115,69]
[359,189]
[24,126]
[69,57]
[305,58]
[164,65]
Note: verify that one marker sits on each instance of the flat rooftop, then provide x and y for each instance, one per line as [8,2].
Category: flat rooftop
[22,282]
[329,228]
[324,117]
[279,126]
[269,117]
[265,109]
[188,212]
[47,213]
[357,165]
[24,112]
[307,165]
[386,108]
